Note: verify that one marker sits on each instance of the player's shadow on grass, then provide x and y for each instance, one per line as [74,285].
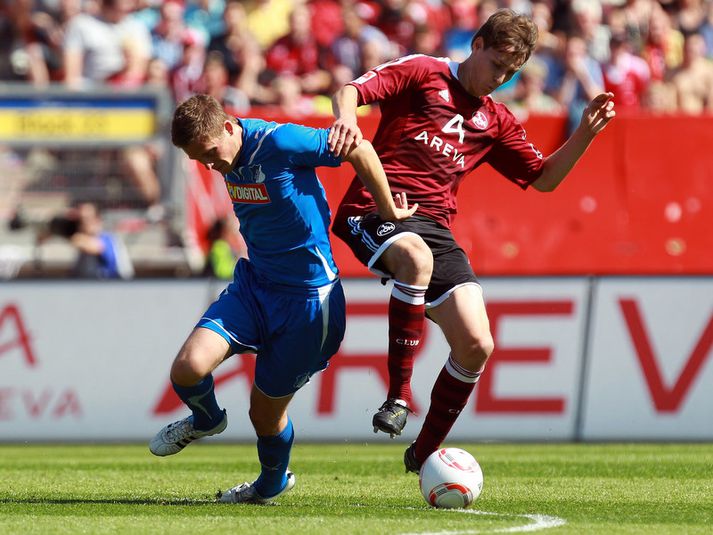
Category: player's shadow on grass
[108,501]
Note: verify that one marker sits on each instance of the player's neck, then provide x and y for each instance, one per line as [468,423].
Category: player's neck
[238,137]
[462,73]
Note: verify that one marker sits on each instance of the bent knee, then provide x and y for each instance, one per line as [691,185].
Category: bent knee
[474,353]
[486,345]
[188,370]
[412,260]
[482,347]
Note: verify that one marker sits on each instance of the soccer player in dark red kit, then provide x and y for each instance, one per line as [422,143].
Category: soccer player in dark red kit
[437,125]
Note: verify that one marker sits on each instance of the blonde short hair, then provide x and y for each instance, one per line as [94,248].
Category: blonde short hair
[199,118]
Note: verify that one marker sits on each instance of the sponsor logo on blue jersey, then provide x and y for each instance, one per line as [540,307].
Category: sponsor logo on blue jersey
[248,193]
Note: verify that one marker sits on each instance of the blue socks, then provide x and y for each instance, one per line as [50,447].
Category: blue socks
[274,455]
[200,398]
[273,451]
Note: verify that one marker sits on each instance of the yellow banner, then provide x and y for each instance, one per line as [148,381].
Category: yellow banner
[77,124]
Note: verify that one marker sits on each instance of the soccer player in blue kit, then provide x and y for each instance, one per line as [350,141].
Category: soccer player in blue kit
[286,302]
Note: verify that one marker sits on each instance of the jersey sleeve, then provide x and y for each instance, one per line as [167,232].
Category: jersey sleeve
[513,155]
[305,147]
[391,79]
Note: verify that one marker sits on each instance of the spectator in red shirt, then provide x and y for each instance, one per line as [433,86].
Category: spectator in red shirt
[400,21]
[327,21]
[625,74]
[297,53]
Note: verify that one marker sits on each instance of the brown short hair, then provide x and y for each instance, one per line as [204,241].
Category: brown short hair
[198,118]
[506,29]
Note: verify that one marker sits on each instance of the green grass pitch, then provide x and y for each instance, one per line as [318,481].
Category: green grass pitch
[356,488]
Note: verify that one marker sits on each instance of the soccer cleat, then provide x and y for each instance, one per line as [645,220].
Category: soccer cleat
[246,493]
[410,462]
[391,418]
[177,435]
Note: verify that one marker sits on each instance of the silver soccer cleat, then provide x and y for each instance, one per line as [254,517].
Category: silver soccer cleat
[177,435]
[246,493]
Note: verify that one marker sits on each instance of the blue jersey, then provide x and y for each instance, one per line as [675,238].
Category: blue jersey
[280,203]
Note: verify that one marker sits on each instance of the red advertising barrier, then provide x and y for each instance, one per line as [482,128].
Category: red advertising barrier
[640,201]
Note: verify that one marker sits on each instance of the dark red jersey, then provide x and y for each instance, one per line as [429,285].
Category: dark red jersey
[433,133]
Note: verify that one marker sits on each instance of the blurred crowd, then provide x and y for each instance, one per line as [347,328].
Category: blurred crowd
[285,58]
[291,55]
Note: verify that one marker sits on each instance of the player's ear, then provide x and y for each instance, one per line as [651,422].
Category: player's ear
[229,127]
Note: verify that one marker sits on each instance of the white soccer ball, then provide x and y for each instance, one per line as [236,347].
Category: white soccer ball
[450,478]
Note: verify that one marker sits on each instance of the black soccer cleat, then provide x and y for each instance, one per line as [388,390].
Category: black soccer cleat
[391,418]
[410,462]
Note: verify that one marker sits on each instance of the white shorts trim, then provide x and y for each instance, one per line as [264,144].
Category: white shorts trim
[248,348]
[377,254]
[272,397]
[446,295]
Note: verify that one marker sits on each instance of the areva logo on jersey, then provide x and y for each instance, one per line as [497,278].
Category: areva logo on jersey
[480,120]
[385,228]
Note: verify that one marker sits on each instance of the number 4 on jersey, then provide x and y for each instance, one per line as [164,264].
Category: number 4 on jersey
[455,126]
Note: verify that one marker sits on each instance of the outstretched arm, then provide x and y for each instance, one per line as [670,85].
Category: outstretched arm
[344,132]
[594,119]
[367,165]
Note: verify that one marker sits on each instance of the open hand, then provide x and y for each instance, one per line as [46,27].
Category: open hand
[402,209]
[598,113]
[343,136]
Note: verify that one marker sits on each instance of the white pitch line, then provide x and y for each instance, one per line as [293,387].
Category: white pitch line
[539,522]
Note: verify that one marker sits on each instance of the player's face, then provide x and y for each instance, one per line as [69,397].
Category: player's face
[219,153]
[490,68]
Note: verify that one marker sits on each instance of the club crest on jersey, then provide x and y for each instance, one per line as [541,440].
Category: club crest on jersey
[301,380]
[480,120]
[385,228]
[252,173]
[248,193]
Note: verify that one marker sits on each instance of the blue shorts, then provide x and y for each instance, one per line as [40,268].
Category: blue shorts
[294,332]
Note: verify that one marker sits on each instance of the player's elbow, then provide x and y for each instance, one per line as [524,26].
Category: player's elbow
[545,184]
[359,152]
[346,92]
[543,187]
